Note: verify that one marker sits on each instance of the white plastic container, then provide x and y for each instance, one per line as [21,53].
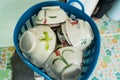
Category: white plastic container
[114,12]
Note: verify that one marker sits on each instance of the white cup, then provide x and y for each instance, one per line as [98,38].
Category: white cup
[61,61]
[37,44]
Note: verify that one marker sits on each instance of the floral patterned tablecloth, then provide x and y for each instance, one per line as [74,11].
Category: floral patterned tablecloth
[108,65]
[5,66]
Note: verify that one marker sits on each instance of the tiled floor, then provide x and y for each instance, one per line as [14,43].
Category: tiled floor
[107,67]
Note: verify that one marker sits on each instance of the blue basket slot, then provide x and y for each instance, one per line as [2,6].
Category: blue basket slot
[31,22]
[25,27]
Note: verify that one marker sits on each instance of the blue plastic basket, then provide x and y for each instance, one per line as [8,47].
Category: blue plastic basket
[26,22]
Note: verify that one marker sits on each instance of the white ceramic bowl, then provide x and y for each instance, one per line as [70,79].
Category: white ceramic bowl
[71,73]
[61,37]
[79,33]
[54,25]
[51,15]
[63,60]
[37,44]
[65,33]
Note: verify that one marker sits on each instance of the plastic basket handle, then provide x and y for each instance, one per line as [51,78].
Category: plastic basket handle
[76,1]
